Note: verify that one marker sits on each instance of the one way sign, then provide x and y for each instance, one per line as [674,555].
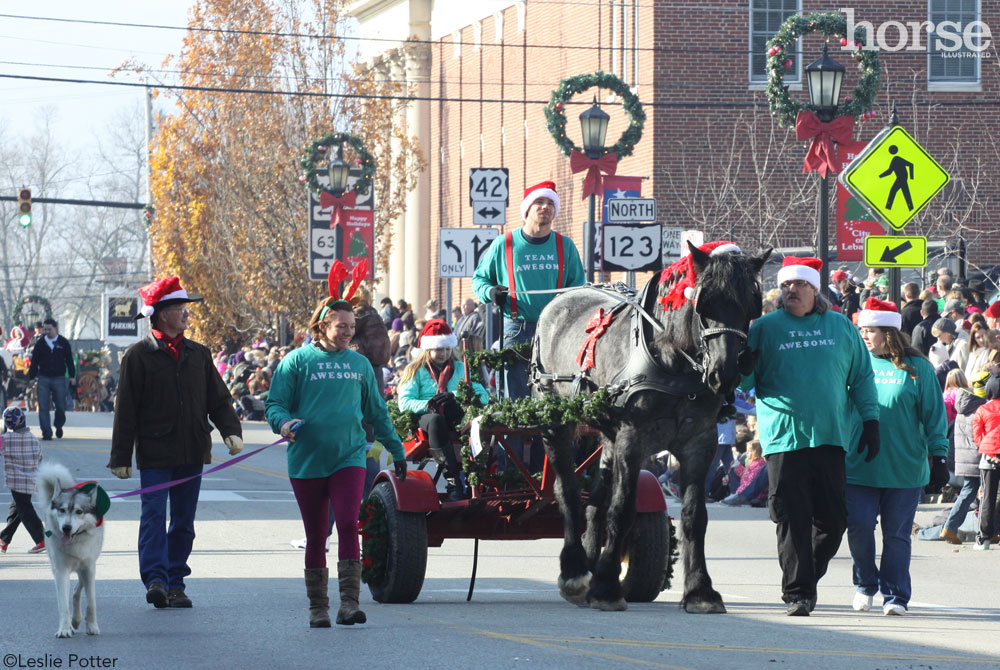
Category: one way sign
[461,249]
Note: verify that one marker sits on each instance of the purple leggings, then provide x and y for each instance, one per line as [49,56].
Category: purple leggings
[343,490]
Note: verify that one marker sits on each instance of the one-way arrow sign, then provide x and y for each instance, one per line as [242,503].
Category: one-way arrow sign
[895,251]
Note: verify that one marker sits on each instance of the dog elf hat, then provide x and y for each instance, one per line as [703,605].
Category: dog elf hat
[880,313]
[545,189]
[103,500]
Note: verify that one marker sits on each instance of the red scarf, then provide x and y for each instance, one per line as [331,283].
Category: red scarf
[442,379]
[173,346]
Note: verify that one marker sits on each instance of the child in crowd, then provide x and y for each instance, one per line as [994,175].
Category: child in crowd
[21,455]
[748,478]
[986,433]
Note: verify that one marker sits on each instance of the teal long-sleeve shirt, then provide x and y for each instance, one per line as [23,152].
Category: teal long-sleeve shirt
[418,389]
[912,426]
[810,372]
[536,267]
[333,392]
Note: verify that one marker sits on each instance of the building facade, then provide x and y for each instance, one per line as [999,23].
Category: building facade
[711,153]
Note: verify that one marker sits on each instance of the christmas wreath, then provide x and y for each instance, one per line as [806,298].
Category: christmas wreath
[555,112]
[830,24]
[374,531]
[17,316]
[325,148]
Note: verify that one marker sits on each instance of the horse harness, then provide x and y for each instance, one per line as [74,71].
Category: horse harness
[642,370]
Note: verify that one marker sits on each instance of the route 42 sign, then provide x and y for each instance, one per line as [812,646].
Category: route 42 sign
[489,194]
[632,248]
[461,249]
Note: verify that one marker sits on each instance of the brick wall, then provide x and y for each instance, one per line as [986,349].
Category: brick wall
[715,158]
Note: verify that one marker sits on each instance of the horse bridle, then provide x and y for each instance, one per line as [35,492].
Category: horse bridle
[706,333]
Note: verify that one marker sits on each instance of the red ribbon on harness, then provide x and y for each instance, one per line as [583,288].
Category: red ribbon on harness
[598,323]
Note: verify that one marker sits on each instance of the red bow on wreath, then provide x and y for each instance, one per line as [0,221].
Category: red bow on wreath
[598,323]
[346,201]
[821,155]
[608,164]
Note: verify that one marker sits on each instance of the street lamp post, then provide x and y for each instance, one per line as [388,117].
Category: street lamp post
[338,172]
[825,75]
[594,124]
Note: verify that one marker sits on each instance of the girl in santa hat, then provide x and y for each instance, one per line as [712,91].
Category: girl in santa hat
[427,387]
[914,446]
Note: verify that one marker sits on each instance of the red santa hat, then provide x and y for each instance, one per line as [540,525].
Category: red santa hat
[838,275]
[546,189]
[163,293]
[880,313]
[993,311]
[437,334]
[806,269]
[682,273]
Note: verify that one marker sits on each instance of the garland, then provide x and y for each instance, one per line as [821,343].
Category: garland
[404,421]
[555,112]
[493,360]
[323,149]
[830,24]
[148,212]
[18,318]
[374,531]
[548,410]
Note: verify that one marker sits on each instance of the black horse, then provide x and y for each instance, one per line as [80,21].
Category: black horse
[670,378]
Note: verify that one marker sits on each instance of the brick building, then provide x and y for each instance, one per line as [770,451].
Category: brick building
[714,157]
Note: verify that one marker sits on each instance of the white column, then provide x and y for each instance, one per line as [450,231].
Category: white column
[418,225]
[381,72]
[397,274]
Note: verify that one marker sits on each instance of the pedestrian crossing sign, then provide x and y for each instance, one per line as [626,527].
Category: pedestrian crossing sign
[894,177]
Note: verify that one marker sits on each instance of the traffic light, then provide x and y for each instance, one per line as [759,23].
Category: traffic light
[24,207]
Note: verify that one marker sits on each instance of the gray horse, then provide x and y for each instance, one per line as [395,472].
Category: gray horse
[670,380]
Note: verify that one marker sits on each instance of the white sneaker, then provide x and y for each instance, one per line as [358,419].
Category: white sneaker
[982,546]
[893,609]
[862,602]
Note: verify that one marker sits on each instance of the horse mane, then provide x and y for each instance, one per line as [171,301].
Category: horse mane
[728,276]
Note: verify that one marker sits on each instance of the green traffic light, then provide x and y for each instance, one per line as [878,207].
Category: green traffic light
[24,220]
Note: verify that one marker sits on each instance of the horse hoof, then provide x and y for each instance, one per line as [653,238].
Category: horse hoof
[704,607]
[605,606]
[575,589]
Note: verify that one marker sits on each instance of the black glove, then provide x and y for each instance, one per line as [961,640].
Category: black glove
[747,361]
[939,474]
[498,295]
[400,468]
[869,439]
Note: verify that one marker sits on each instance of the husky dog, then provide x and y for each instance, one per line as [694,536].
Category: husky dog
[74,536]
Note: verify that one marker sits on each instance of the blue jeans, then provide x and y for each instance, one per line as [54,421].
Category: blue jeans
[163,552]
[896,509]
[49,389]
[966,496]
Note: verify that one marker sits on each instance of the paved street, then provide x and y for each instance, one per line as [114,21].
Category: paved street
[250,608]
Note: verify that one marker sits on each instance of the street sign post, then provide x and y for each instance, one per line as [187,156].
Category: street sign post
[326,244]
[895,251]
[631,210]
[632,248]
[461,248]
[489,192]
[894,177]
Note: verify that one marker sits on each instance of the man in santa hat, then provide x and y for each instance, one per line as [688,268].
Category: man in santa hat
[802,348]
[532,258]
[168,389]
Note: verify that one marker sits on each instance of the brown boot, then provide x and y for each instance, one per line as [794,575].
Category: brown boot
[349,574]
[950,536]
[317,581]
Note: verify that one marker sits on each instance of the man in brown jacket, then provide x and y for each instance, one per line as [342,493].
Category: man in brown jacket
[168,390]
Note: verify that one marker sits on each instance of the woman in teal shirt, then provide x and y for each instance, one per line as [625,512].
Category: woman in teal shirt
[914,449]
[319,396]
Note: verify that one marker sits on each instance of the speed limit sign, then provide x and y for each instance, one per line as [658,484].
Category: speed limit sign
[632,248]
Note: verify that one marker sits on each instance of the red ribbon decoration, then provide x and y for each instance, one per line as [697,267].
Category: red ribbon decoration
[346,201]
[822,155]
[598,323]
[608,164]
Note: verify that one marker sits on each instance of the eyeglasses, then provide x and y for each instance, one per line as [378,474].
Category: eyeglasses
[797,283]
[183,311]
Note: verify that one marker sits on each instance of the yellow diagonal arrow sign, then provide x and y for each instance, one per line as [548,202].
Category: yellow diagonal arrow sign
[895,251]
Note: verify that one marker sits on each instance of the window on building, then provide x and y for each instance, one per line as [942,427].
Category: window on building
[949,59]
[766,17]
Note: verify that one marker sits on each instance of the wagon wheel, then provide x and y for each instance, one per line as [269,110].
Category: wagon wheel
[406,559]
[644,559]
